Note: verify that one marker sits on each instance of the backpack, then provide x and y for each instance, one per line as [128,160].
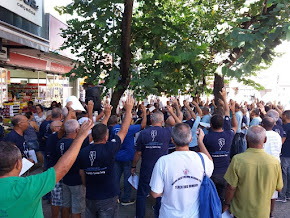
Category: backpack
[209,202]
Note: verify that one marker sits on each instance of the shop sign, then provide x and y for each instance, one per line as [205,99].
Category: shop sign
[3,54]
[31,10]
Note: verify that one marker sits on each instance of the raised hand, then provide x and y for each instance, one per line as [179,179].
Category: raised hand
[68,105]
[232,106]
[186,104]
[200,134]
[90,106]
[129,103]
[107,109]
[85,128]
[223,93]
[170,109]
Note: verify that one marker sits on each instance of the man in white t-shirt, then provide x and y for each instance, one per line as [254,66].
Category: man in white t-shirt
[273,147]
[177,177]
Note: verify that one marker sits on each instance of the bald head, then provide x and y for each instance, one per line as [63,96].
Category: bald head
[20,122]
[256,137]
[55,126]
[9,155]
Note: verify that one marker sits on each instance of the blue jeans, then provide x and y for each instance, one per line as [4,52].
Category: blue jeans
[102,208]
[285,165]
[124,167]
[142,192]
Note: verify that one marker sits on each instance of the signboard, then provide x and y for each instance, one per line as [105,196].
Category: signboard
[31,10]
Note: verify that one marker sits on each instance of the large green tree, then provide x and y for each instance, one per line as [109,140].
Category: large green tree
[171,46]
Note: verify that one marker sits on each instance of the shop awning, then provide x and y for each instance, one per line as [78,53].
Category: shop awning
[24,39]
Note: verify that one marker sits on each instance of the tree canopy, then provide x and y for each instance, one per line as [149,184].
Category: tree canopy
[171,46]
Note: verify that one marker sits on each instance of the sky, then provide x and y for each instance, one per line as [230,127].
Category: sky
[280,65]
[49,8]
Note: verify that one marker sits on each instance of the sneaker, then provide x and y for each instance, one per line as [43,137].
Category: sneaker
[287,198]
[126,203]
[281,200]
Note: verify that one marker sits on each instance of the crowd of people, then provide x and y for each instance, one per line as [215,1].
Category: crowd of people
[245,148]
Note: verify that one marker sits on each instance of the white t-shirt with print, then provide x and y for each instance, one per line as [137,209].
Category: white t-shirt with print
[273,144]
[178,176]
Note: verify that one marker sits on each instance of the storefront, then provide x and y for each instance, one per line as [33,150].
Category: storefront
[31,65]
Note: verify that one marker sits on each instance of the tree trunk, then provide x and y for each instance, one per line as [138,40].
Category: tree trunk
[125,64]
[218,85]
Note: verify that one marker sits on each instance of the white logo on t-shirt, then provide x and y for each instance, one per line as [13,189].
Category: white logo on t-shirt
[92,156]
[61,148]
[221,142]
[153,134]
[277,131]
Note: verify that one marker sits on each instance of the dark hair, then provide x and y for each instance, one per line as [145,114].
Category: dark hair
[217,121]
[9,155]
[99,132]
[40,106]
[237,106]
[15,120]
[30,102]
[112,120]
[28,114]
[268,123]
[286,114]
[256,111]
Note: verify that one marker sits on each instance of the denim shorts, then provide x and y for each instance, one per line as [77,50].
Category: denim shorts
[34,145]
[74,198]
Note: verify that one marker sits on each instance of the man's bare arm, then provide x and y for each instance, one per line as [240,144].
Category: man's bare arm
[201,145]
[64,164]
[186,104]
[156,195]
[234,118]
[128,118]
[144,120]
[136,159]
[230,192]
[90,109]
[107,112]
[199,112]
[170,110]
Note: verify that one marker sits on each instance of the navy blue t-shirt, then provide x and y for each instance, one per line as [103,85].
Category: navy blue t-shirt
[227,123]
[279,129]
[127,150]
[97,160]
[50,149]
[218,145]
[17,139]
[44,132]
[285,152]
[73,177]
[153,143]
[190,122]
